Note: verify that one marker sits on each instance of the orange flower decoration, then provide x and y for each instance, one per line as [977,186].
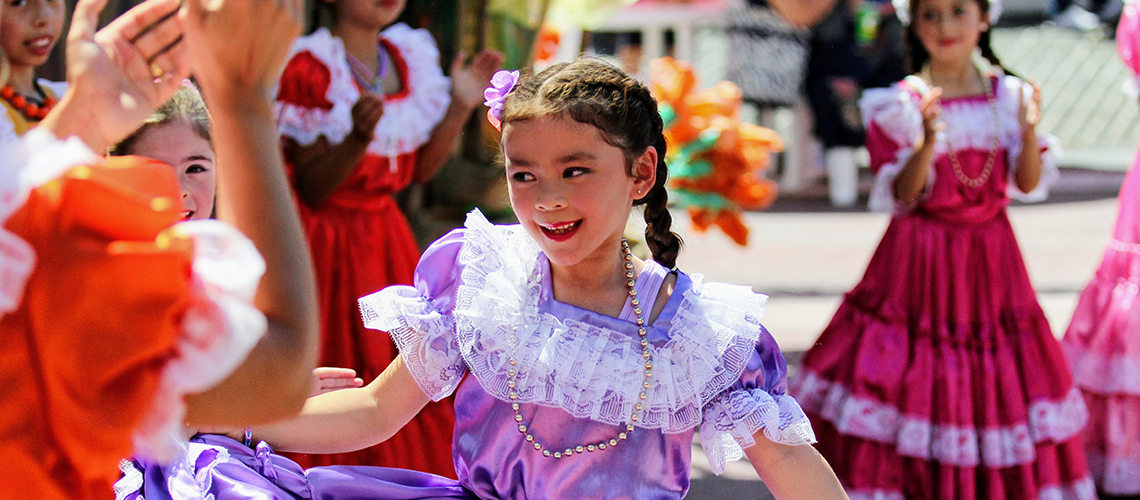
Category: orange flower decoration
[715,160]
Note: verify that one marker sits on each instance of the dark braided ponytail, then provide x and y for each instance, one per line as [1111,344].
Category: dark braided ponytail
[596,93]
[917,56]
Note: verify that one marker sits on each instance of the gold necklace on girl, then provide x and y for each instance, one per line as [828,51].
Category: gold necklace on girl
[512,373]
[991,99]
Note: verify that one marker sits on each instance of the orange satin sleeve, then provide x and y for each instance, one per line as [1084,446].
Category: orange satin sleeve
[81,359]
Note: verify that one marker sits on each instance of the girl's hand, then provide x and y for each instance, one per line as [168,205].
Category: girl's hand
[120,74]
[240,45]
[468,82]
[332,379]
[366,114]
[1029,113]
[931,108]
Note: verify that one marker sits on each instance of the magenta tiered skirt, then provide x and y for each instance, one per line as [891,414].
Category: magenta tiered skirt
[939,377]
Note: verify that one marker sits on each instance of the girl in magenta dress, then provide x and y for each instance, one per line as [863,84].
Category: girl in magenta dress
[579,371]
[1103,339]
[939,376]
[363,114]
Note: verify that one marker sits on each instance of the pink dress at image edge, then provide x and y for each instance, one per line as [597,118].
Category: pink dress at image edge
[1103,339]
[939,377]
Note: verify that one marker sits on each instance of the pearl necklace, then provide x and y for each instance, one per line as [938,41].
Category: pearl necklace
[988,169]
[512,373]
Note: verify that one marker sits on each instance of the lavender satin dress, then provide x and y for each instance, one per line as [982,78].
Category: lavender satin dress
[743,380]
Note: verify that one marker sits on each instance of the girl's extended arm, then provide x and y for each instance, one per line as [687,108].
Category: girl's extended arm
[467,84]
[911,180]
[1029,161]
[237,49]
[793,472]
[350,419]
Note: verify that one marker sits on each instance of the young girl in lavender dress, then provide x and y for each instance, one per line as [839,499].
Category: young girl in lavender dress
[939,376]
[1103,339]
[590,369]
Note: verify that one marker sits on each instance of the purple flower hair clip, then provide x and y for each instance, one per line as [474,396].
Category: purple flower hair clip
[501,84]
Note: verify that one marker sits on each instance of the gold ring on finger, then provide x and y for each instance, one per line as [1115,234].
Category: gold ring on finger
[156,71]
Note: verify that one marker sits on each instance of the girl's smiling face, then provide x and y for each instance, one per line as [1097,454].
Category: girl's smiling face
[569,187]
[949,29]
[177,144]
[29,30]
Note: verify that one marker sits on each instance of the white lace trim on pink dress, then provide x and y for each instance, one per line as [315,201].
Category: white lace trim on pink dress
[916,436]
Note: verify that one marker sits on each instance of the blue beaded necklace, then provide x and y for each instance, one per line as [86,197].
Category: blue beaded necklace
[373,83]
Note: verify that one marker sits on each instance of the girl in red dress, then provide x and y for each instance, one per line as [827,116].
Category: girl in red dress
[364,111]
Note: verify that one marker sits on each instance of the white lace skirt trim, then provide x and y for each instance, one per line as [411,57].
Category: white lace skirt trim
[875,495]
[731,420]
[919,437]
[1079,490]
[1116,475]
[219,328]
[1109,375]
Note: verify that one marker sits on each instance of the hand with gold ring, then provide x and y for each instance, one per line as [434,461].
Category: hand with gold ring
[120,74]
[157,72]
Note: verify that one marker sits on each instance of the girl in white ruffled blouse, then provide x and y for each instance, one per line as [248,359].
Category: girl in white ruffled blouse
[590,369]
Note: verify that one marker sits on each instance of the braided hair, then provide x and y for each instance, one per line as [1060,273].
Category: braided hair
[917,56]
[596,93]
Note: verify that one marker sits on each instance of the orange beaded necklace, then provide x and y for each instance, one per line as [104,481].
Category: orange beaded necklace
[32,112]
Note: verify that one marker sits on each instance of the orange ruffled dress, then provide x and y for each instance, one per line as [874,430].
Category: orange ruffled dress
[360,240]
[108,323]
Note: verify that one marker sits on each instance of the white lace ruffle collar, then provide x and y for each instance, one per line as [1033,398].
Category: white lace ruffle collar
[587,370]
[409,116]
